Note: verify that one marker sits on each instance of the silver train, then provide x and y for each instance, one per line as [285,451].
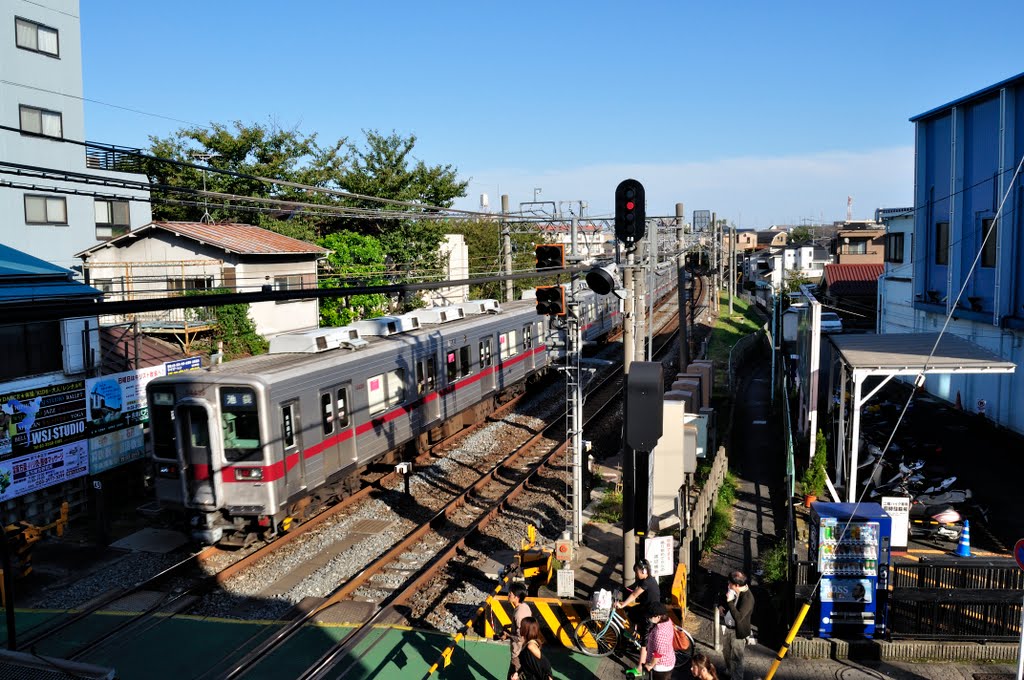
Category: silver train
[252,446]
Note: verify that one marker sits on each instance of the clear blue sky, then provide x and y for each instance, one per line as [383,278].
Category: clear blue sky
[764,112]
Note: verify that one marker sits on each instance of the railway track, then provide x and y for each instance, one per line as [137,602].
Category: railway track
[177,589]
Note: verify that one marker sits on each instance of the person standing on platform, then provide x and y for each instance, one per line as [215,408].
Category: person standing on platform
[532,664]
[645,592]
[738,609]
[520,610]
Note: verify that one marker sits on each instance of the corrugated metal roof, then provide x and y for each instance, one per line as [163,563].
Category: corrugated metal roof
[910,351]
[244,239]
[853,279]
[25,278]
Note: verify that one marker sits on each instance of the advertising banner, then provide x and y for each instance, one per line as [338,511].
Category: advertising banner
[42,418]
[118,400]
[182,365]
[25,474]
[116,410]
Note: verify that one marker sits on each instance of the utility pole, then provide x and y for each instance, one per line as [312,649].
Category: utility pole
[506,246]
[684,340]
[720,251]
[628,464]
[574,389]
[732,266]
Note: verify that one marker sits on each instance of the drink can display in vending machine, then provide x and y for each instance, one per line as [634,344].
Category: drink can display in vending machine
[854,568]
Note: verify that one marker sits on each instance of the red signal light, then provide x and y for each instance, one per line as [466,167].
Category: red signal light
[630,205]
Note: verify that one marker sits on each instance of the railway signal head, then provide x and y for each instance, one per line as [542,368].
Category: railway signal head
[550,256]
[630,211]
[551,300]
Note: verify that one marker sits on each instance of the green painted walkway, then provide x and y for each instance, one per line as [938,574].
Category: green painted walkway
[187,647]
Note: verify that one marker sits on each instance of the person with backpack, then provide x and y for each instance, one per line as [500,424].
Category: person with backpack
[660,657]
[645,592]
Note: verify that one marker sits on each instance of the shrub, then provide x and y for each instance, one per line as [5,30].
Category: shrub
[775,562]
[609,508]
[813,482]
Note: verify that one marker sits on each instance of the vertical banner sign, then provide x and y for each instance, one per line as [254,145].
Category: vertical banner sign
[898,508]
[42,438]
[116,412]
[659,552]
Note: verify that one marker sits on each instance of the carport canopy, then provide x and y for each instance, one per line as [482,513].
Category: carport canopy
[892,354]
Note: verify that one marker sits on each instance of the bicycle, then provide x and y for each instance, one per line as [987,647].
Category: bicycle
[596,637]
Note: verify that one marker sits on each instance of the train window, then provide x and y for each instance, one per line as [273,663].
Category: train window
[527,337]
[240,424]
[327,413]
[509,344]
[342,408]
[425,375]
[288,426]
[465,362]
[485,352]
[162,430]
[396,387]
[453,367]
[375,394]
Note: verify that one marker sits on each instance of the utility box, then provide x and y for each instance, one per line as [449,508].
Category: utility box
[674,457]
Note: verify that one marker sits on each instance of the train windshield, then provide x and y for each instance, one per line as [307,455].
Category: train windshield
[240,424]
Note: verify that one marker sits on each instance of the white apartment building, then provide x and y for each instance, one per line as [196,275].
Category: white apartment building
[42,135]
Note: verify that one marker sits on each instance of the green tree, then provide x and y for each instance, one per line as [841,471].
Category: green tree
[792,280]
[255,151]
[355,260]
[801,234]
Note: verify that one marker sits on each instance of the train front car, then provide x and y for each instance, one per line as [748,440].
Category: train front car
[210,454]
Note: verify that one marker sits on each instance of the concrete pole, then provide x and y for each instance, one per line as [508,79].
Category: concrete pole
[732,266]
[576,381]
[628,467]
[506,248]
[639,308]
[684,339]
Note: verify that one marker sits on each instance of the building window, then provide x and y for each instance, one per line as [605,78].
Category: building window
[988,250]
[289,282]
[112,219]
[41,122]
[894,247]
[180,285]
[46,210]
[941,242]
[30,349]
[857,248]
[35,37]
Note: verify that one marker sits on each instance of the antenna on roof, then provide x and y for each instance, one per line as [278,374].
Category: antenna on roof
[204,156]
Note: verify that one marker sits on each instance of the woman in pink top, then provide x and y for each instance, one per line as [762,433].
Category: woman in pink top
[661,658]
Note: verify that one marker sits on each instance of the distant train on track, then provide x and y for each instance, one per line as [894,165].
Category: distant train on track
[247,448]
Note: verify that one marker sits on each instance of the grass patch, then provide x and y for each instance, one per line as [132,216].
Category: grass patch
[775,563]
[609,508]
[728,330]
[721,515]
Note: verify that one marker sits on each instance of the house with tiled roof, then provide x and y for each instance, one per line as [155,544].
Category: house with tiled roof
[852,289]
[171,258]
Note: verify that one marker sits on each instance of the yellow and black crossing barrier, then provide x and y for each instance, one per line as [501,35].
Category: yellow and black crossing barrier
[557,618]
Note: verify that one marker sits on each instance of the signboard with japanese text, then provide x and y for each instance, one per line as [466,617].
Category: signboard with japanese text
[38,470]
[118,400]
[41,418]
[898,508]
[659,552]
[182,365]
[116,410]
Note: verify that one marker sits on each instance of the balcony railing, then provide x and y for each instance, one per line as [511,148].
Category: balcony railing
[112,157]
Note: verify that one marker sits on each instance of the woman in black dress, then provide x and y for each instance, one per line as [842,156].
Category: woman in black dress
[532,664]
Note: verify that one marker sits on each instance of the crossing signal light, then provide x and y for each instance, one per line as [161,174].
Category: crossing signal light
[551,300]
[630,211]
[550,256]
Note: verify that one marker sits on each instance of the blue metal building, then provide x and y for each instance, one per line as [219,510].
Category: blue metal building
[967,156]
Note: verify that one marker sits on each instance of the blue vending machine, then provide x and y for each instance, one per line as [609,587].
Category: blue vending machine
[849,545]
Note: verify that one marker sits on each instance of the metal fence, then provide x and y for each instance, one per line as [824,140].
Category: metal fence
[944,598]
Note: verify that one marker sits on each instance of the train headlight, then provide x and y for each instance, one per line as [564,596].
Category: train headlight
[167,470]
[249,474]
